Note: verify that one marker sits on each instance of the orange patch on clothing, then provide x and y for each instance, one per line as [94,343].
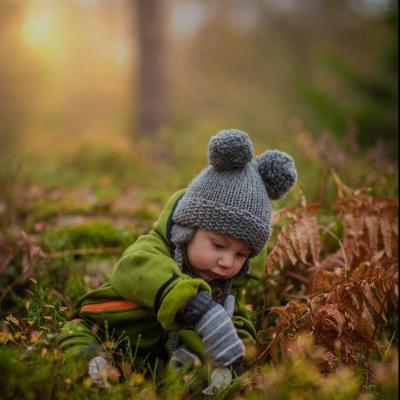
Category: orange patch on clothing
[110,306]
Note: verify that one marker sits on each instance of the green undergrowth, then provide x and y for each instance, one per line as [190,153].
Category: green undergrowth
[32,368]
[82,209]
[171,162]
[90,235]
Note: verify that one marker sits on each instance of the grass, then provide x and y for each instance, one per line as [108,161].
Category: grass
[83,205]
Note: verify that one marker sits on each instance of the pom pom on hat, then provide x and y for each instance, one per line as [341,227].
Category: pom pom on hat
[277,171]
[230,149]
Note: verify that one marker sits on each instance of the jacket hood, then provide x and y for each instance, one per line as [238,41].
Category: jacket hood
[252,268]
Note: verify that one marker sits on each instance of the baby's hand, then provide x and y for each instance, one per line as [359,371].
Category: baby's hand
[221,341]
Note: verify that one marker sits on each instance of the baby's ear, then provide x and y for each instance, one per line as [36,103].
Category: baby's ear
[277,171]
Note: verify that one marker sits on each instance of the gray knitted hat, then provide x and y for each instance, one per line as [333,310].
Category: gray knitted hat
[232,196]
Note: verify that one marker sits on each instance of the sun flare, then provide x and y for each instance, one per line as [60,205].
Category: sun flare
[40,28]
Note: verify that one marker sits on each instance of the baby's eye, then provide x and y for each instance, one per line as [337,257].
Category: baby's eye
[218,245]
[242,255]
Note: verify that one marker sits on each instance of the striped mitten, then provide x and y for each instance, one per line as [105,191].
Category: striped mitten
[221,341]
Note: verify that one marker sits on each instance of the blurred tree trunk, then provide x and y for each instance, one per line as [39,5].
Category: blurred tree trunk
[151,83]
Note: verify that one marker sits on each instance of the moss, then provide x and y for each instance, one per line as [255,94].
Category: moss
[93,234]
[145,214]
[75,287]
[45,208]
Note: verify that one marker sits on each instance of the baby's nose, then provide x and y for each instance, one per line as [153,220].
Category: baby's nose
[227,261]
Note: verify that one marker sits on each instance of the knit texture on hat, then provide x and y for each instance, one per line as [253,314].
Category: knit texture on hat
[232,195]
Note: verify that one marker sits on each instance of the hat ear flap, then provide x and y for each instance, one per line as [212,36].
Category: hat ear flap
[277,171]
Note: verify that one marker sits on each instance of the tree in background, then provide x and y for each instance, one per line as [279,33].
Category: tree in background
[329,63]
[151,79]
[369,96]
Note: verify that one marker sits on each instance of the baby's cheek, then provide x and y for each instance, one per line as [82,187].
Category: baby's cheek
[237,269]
[199,263]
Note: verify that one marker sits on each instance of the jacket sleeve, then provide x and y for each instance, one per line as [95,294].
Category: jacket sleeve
[147,274]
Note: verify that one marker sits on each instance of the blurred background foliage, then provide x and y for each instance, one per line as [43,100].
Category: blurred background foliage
[315,78]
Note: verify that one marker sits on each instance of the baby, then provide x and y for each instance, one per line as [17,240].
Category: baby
[177,292]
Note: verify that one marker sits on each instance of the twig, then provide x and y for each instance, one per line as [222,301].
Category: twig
[264,352]
[297,277]
[9,288]
[84,252]
[297,296]
[346,265]
[390,343]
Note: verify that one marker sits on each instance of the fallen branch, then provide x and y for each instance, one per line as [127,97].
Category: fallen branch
[84,252]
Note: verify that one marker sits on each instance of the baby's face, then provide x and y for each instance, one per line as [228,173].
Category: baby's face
[215,256]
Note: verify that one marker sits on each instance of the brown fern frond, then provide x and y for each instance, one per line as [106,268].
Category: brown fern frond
[326,360]
[367,269]
[370,225]
[353,235]
[289,249]
[317,301]
[368,322]
[330,320]
[371,221]
[352,289]
[344,314]
[348,297]
[296,310]
[367,372]
[286,212]
[276,256]
[325,280]
[282,312]
[373,301]
[292,320]
[299,240]
[395,227]
[342,189]
[312,229]
[287,343]
[281,251]
[386,231]
[275,351]
[286,246]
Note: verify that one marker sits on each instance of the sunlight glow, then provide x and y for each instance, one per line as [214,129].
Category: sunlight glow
[40,27]
[121,52]
[49,30]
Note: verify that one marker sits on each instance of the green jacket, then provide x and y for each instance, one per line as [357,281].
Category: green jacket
[146,290]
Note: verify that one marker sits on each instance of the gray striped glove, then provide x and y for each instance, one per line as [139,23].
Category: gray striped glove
[221,341]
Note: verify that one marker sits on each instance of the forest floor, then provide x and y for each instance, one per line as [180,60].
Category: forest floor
[325,307]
